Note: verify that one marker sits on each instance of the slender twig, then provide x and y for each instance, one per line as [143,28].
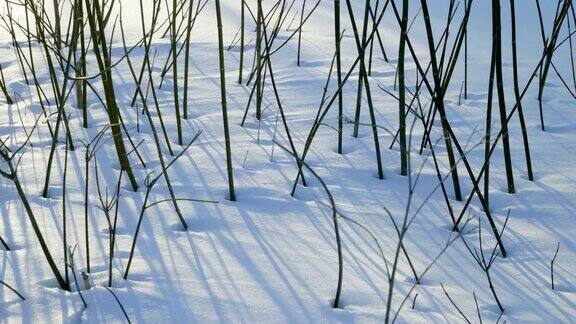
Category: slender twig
[119,304]
[12,289]
[454,304]
[552,265]
[72,266]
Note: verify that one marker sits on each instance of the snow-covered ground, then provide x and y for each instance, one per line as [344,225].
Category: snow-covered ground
[272,257]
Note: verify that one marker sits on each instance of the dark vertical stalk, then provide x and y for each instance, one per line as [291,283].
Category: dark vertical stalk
[362,71]
[81,66]
[112,231]
[337,40]
[376,7]
[517,91]
[173,40]
[242,27]
[64,227]
[299,30]
[488,133]
[497,45]
[541,78]
[87,157]
[258,49]
[402,89]
[223,98]
[187,60]
[465,55]
[57,25]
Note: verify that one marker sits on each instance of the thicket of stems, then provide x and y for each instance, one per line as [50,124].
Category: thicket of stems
[102,54]
[65,52]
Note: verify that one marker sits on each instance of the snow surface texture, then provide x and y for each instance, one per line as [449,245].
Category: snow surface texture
[272,257]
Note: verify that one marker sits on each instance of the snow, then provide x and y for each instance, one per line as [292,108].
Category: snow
[272,257]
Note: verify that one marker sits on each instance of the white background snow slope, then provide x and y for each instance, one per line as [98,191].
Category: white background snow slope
[269,256]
